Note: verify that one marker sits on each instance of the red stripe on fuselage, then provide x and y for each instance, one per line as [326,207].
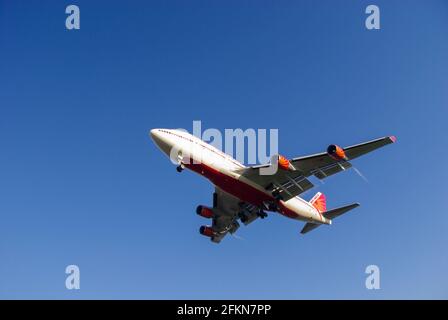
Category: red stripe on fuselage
[237,188]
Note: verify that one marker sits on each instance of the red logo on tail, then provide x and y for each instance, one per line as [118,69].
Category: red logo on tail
[319,202]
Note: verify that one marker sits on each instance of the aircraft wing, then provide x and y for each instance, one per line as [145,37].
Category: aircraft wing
[293,182]
[288,184]
[226,209]
[323,165]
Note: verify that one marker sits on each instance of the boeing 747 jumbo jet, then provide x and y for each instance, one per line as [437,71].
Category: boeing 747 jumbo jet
[246,193]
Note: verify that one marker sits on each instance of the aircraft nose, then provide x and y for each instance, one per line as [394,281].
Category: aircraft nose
[155,134]
[162,140]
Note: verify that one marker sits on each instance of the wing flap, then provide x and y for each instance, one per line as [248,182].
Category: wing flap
[287,183]
[334,168]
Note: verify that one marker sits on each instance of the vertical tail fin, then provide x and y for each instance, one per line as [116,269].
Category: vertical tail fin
[319,202]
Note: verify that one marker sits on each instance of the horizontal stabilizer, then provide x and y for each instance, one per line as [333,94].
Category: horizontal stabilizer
[339,211]
[309,226]
[329,215]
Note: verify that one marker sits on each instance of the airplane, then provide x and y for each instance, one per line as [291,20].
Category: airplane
[245,193]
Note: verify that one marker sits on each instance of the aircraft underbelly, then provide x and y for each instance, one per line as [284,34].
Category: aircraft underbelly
[293,208]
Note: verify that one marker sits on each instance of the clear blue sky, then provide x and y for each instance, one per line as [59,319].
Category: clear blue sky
[82,183]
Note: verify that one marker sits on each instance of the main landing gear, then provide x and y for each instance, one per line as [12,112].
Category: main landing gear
[262,214]
[270,206]
[180,168]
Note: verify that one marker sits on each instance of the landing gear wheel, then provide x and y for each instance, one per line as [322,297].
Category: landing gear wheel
[262,214]
[179,168]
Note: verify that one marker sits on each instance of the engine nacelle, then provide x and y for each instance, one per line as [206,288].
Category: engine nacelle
[336,152]
[284,163]
[206,231]
[204,211]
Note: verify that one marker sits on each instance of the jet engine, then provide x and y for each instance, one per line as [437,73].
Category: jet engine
[336,152]
[206,231]
[204,211]
[284,163]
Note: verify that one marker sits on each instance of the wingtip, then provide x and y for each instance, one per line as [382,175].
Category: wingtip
[393,139]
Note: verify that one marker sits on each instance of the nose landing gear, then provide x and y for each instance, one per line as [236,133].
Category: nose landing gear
[180,159]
